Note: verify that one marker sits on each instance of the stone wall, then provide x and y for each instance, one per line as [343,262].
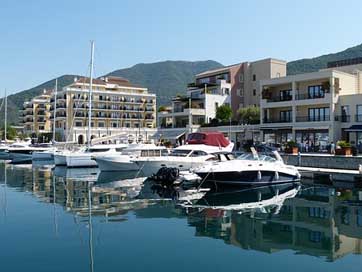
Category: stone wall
[332,162]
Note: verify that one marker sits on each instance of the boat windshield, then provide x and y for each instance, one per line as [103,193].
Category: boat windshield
[248,156]
[180,152]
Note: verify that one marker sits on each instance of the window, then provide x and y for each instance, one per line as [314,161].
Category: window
[128,125]
[285,95]
[254,77]
[241,77]
[359,217]
[198,153]
[285,116]
[358,113]
[100,124]
[344,113]
[316,91]
[318,114]
[315,236]
[216,105]
[114,125]
[78,124]
[241,91]
[318,212]
[254,92]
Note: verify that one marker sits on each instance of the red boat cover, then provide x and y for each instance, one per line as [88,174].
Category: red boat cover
[208,138]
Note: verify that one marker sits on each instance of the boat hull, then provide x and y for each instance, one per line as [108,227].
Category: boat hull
[253,178]
[120,163]
[60,159]
[83,160]
[42,155]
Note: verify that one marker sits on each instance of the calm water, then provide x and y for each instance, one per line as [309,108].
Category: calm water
[45,225]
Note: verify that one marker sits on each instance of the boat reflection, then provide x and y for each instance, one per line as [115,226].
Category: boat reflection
[262,199]
[316,221]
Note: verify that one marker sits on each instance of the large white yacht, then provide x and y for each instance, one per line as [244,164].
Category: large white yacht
[125,160]
[199,148]
[249,169]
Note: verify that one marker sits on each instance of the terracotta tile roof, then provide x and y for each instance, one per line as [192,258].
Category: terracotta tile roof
[87,81]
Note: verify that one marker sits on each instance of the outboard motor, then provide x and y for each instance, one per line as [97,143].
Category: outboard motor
[166,176]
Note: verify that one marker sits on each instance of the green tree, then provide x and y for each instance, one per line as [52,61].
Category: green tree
[249,115]
[224,113]
[162,108]
[10,133]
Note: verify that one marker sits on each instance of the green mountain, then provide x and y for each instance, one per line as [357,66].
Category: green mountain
[166,78]
[314,64]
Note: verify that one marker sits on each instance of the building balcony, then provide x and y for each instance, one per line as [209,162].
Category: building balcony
[276,120]
[343,118]
[313,118]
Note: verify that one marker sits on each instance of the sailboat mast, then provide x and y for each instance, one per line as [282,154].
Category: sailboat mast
[55,107]
[6,117]
[90,95]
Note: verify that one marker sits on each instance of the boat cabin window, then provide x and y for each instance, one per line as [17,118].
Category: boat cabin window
[180,153]
[151,153]
[95,150]
[120,149]
[198,153]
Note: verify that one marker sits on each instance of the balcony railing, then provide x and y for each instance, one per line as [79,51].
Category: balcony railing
[277,120]
[304,96]
[313,118]
[280,98]
[343,118]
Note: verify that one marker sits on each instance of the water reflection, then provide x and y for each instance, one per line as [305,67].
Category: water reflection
[318,221]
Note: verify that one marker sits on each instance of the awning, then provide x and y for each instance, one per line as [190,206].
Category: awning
[169,134]
[354,128]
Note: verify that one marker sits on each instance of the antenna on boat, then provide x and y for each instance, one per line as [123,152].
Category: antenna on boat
[90,96]
[5,116]
[90,239]
[55,106]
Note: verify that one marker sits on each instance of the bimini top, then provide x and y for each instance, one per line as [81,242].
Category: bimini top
[208,138]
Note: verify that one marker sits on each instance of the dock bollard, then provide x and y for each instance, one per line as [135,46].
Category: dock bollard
[299,159]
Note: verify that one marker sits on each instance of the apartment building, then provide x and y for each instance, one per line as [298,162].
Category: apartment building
[117,107]
[314,109]
[36,115]
[234,85]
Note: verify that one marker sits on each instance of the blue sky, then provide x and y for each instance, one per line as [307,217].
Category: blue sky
[43,39]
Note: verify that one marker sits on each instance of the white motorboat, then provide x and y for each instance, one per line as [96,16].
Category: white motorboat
[22,152]
[125,160]
[249,169]
[4,154]
[85,157]
[199,149]
[47,154]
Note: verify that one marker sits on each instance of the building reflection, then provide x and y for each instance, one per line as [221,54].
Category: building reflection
[321,222]
[317,221]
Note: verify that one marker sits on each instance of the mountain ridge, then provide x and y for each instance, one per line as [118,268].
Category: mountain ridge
[170,77]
